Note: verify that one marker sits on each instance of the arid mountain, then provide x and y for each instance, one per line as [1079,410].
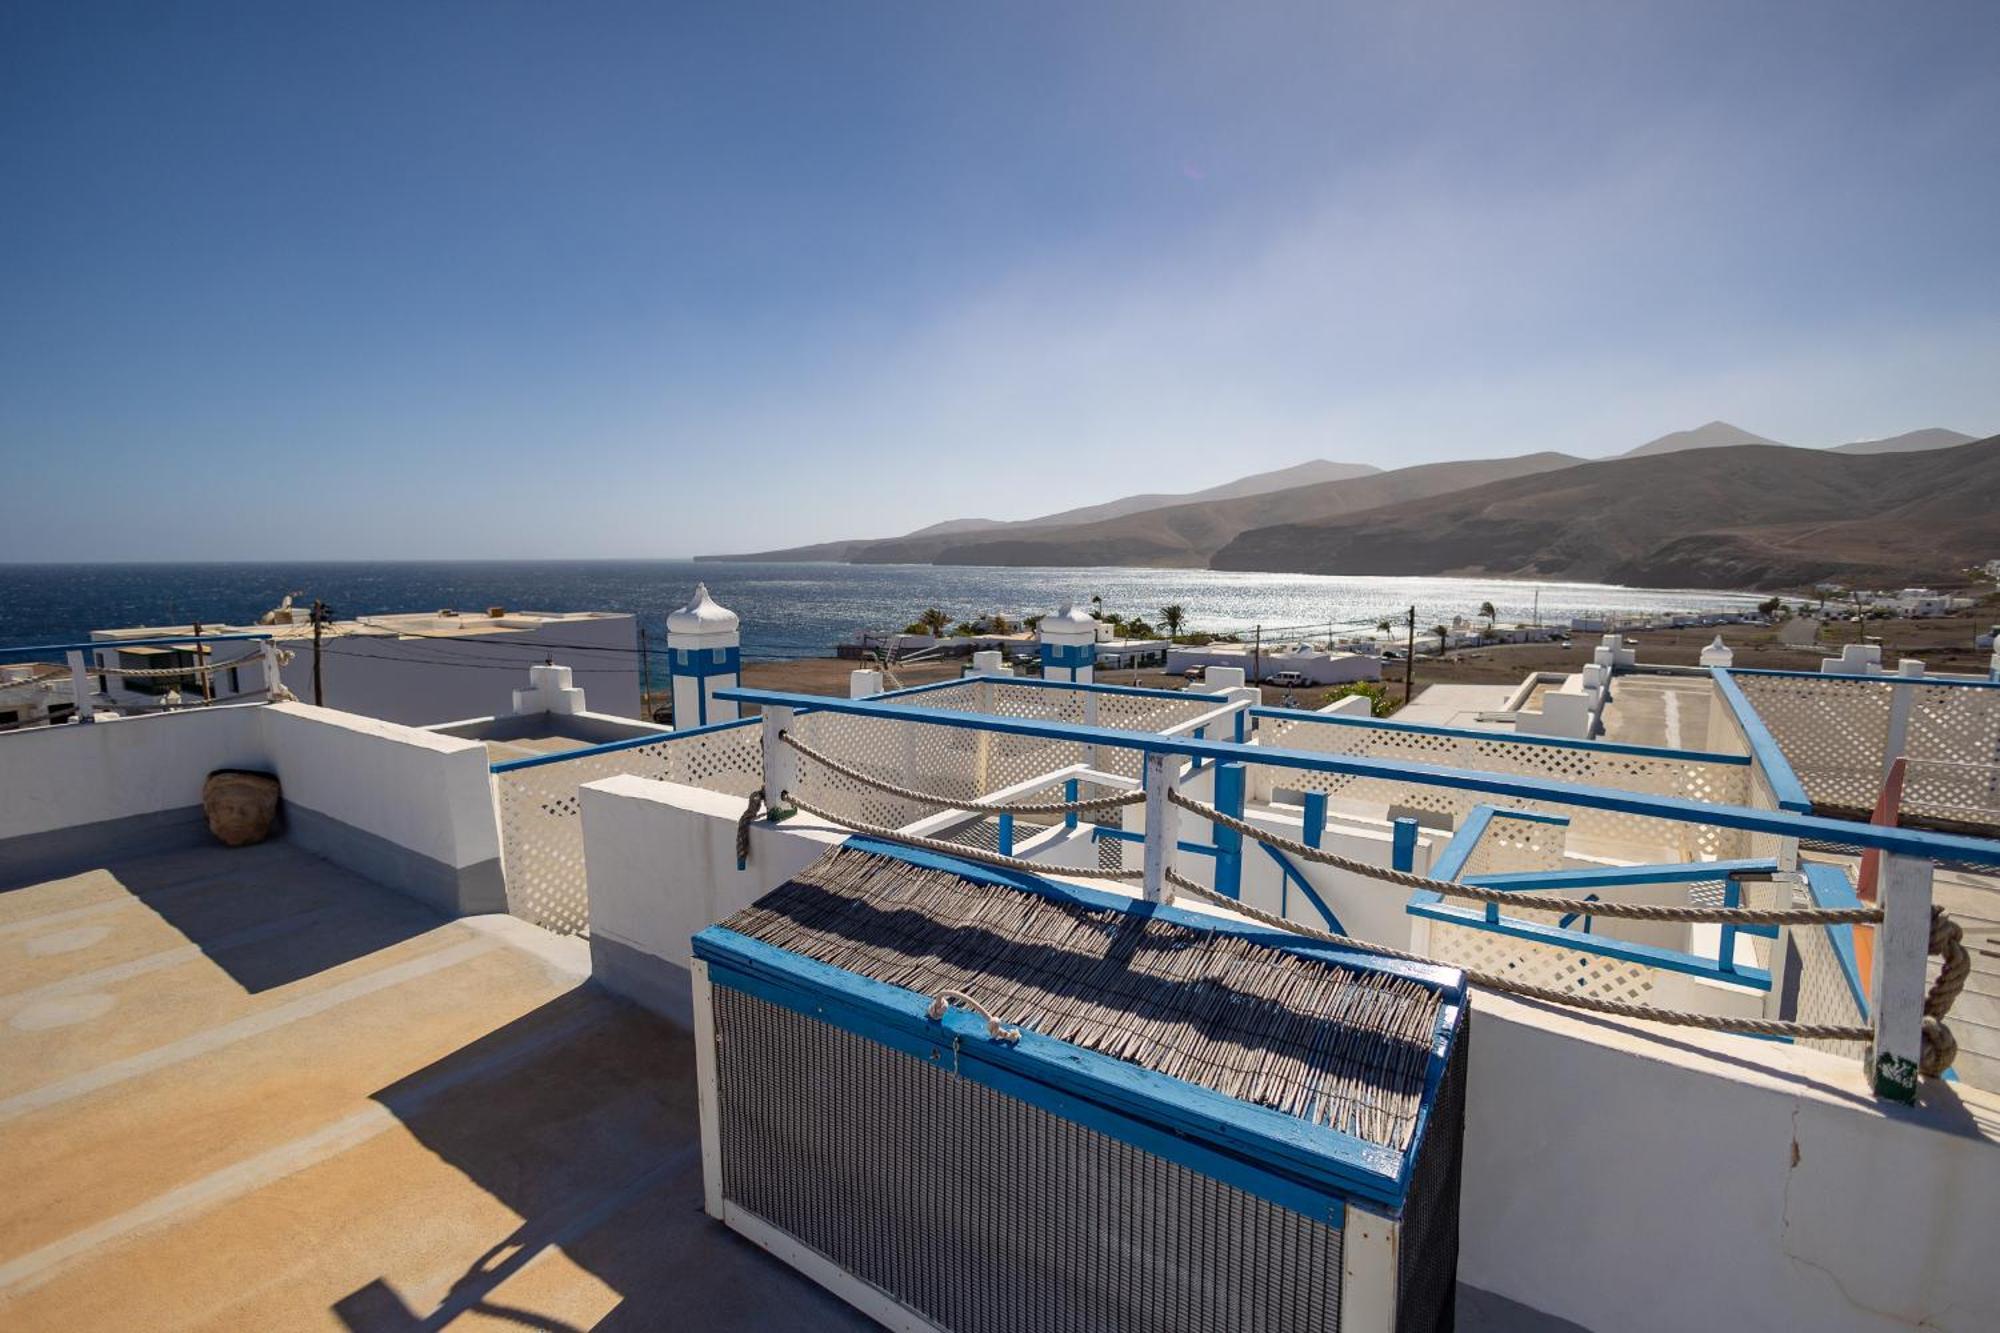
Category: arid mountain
[1187,535]
[1910,442]
[1735,517]
[924,545]
[1715,435]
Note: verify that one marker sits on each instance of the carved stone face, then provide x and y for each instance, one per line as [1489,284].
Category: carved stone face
[241,807]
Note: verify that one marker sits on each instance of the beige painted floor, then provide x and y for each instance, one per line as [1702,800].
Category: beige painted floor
[247,1090]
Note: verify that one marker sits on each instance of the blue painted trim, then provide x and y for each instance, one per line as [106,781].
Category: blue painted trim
[1137,691]
[1451,862]
[1903,841]
[1565,923]
[1886,678]
[100,645]
[612,747]
[1070,791]
[1068,657]
[1099,832]
[1228,842]
[1504,737]
[1785,784]
[1426,904]
[909,690]
[1290,874]
[1314,810]
[1599,877]
[1830,887]
[1006,835]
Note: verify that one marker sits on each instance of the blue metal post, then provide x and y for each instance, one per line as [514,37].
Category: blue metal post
[1006,835]
[1403,849]
[1070,790]
[1228,842]
[1315,817]
[1725,947]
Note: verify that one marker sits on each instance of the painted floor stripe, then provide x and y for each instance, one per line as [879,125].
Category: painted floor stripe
[228,1034]
[36,1267]
[165,958]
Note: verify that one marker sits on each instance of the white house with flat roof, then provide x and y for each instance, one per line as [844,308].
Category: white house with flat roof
[416,668]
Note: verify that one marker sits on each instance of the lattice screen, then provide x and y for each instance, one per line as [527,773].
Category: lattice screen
[1692,779]
[541,826]
[1536,964]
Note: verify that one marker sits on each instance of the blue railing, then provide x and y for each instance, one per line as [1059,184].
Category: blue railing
[113,645]
[1884,678]
[1391,726]
[1777,770]
[613,747]
[1900,841]
[1830,887]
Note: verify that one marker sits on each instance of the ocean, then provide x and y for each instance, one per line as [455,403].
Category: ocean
[788,610]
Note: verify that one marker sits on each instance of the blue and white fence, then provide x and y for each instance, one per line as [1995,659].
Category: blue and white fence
[98,659]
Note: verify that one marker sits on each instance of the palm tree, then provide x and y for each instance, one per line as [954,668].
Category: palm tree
[1173,615]
[1031,623]
[1382,626]
[999,624]
[1440,631]
[1486,609]
[934,620]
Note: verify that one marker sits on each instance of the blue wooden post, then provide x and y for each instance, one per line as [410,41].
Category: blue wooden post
[1725,947]
[1070,790]
[1403,850]
[1315,818]
[1228,842]
[1006,835]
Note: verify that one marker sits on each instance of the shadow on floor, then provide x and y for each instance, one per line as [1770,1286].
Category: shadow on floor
[272,914]
[580,1117]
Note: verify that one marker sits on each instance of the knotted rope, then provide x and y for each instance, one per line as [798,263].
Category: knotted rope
[1948,943]
[981,807]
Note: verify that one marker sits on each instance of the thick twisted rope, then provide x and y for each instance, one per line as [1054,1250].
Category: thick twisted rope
[1759,1027]
[982,807]
[951,848]
[1948,942]
[198,668]
[1734,916]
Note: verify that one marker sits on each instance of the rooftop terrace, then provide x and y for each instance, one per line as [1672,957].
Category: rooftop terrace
[251,1089]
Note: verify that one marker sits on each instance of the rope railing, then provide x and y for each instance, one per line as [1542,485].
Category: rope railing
[1732,916]
[945,846]
[1756,1027]
[981,807]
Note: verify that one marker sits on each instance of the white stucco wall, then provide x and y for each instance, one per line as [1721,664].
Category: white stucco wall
[1639,1183]
[77,774]
[423,791]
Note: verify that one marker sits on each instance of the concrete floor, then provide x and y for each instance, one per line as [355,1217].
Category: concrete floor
[249,1090]
[1659,710]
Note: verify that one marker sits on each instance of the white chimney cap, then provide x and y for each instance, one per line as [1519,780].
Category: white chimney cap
[702,615]
[1070,614]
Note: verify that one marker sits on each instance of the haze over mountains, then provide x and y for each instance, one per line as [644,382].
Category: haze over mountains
[1715,506]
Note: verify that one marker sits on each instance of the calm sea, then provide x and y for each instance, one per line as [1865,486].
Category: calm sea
[793,610]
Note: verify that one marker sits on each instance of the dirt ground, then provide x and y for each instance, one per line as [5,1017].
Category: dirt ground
[1945,644]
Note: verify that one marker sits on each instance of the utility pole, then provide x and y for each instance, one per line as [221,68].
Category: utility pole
[1257,658]
[207,689]
[1410,658]
[645,676]
[318,619]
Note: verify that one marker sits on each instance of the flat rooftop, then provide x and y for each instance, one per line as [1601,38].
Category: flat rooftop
[246,1089]
[402,624]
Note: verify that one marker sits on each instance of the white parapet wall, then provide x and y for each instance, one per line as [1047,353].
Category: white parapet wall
[410,809]
[662,860]
[1630,1183]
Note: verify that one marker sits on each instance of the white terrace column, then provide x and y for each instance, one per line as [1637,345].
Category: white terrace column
[1069,646]
[704,654]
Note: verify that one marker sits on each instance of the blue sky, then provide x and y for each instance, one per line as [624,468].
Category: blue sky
[472,280]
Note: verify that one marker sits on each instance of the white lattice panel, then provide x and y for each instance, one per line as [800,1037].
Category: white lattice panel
[1834,733]
[1533,963]
[541,826]
[1706,781]
[1954,750]
[1511,846]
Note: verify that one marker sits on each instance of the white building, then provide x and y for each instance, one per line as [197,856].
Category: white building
[1316,665]
[34,693]
[416,668]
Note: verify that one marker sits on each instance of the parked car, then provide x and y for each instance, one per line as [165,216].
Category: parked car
[1287,680]
[1192,673]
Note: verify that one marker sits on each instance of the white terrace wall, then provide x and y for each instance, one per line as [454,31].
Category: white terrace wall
[410,809]
[80,794]
[1655,1183]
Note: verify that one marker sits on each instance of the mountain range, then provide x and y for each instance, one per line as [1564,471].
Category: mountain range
[1715,506]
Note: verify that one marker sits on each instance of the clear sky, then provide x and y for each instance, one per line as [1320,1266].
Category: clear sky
[496,279]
